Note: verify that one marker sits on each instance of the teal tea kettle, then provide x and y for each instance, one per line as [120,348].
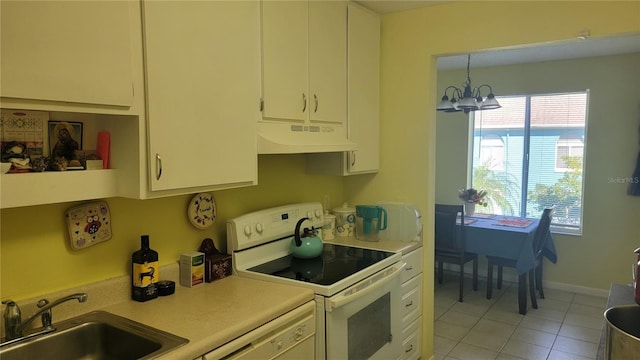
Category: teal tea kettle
[307,246]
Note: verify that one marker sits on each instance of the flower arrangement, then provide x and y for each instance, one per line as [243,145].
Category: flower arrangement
[473,196]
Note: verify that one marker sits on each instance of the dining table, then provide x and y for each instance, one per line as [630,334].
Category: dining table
[508,237]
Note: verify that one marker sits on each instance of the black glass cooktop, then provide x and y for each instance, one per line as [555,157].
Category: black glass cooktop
[336,263]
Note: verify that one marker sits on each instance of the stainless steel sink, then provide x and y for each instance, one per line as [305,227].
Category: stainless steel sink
[623,332]
[97,335]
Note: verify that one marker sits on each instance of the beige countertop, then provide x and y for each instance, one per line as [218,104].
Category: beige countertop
[386,245]
[212,314]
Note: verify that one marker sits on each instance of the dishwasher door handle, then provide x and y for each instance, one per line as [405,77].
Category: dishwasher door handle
[390,275]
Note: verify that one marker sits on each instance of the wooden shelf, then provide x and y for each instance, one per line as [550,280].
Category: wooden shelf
[56,186]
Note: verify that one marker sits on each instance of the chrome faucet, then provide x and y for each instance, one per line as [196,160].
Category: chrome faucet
[14,325]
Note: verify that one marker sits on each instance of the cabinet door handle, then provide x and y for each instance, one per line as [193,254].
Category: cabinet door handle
[304,102]
[409,304]
[409,349]
[158,166]
[353,158]
[409,268]
[315,98]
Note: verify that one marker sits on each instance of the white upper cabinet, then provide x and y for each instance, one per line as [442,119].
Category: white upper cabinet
[304,61]
[285,62]
[202,66]
[364,90]
[193,130]
[78,61]
[328,61]
[363,122]
[67,51]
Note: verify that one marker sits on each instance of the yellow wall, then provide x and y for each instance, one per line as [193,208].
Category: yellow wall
[36,258]
[410,42]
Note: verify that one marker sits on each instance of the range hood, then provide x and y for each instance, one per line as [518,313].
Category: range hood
[287,138]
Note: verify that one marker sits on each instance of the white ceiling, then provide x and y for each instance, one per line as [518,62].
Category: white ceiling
[546,52]
[573,49]
[388,6]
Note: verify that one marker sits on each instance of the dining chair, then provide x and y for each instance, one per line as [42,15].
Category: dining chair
[535,274]
[450,244]
[539,241]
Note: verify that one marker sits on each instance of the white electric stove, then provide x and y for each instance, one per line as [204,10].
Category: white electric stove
[357,289]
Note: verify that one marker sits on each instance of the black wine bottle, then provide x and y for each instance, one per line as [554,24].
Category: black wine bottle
[144,274]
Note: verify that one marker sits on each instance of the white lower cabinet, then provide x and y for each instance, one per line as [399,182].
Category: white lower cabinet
[414,264]
[412,305]
[411,340]
[411,300]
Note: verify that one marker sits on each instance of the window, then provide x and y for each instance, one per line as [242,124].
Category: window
[492,152]
[568,146]
[529,155]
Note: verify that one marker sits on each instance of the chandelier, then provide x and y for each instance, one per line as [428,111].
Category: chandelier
[469,100]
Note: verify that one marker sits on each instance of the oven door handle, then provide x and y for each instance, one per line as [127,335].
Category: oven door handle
[374,283]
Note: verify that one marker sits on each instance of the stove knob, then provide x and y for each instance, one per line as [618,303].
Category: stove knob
[259,228]
[247,230]
[318,213]
[310,215]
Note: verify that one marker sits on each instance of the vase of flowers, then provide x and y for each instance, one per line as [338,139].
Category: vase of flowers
[469,209]
[472,197]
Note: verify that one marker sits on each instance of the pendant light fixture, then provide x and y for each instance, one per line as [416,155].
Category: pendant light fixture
[467,99]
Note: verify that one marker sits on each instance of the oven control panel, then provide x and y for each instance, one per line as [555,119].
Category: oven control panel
[267,225]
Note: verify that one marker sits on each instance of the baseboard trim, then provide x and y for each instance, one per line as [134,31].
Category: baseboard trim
[511,277]
[575,288]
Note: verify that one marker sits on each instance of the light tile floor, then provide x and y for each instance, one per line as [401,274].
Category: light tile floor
[565,326]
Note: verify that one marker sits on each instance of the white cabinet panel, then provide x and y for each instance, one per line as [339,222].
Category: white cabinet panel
[286,66]
[364,90]
[363,99]
[411,300]
[328,61]
[68,51]
[411,340]
[61,186]
[304,61]
[414,264]
[202,64]
[412,305]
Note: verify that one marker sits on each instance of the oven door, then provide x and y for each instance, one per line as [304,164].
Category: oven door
[364,320]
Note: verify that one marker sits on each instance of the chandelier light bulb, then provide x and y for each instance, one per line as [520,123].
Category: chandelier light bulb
[471,99]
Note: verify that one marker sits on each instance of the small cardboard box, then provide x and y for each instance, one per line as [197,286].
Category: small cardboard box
[217,266]
[191,269]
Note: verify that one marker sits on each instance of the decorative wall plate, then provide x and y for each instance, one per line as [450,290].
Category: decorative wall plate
[89,224]
[202,210]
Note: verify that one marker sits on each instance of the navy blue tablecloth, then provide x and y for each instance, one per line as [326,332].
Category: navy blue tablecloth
[484,236]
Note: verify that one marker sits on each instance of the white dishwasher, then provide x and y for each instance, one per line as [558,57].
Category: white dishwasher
[288,337]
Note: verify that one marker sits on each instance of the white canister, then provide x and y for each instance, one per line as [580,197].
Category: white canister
[329,227]
[345,220]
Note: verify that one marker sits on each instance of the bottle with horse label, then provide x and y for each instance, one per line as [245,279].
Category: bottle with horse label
[144,274]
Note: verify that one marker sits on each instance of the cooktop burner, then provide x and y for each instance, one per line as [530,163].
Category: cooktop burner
[337,262]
